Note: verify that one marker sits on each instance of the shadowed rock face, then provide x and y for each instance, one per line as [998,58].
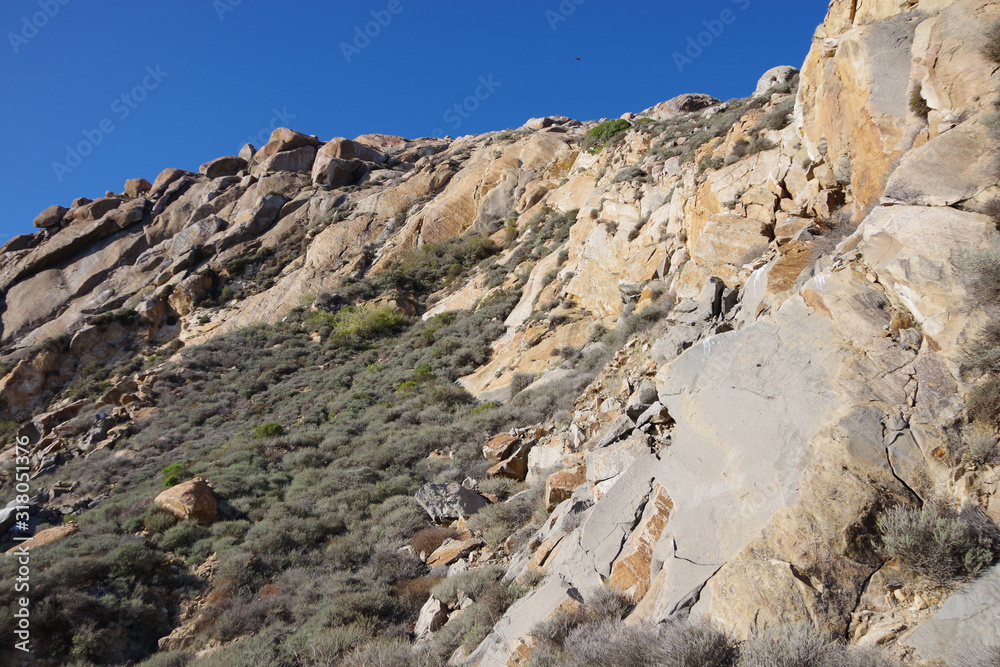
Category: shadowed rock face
[731,463]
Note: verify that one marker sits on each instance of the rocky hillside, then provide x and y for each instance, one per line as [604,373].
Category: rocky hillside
[714,383]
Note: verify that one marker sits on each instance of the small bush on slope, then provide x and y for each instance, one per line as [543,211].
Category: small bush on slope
[938,543]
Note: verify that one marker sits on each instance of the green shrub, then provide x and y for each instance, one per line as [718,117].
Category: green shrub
[268,430]
[362,324]
[182,536]
[797,645]
[603,134]
[158,520]
[938,543]
[132,560]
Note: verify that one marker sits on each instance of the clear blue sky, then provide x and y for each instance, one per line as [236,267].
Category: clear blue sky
[178,83]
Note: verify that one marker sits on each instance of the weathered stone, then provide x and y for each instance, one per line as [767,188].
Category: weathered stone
[284,139]
[514,467]
[190,500]
[47,536]
[300,159]
[137,187]
[51,217]
[951,167]
[965,626]
[633,570]
[447,502]
[95,210]
[615,431]
[452,550]
[336,173]
[923,254]
[610,461]
[561,485]
[433,615]
[165,179]
[500,447]
[640,401]
[229,165]
[247,152]
[773,77]
[189,292]
[345,149]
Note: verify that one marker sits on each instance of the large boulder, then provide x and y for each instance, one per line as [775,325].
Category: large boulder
[190,500]
[136,187]
[773,77]
[345,149]
[48,536]
[165,179]
[334,173]
[229,165]
[300,159]
[95,210]
[284,139]
[447,502]
[51,217]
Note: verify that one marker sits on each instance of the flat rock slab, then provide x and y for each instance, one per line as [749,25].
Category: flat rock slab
[447,502]
[968,621]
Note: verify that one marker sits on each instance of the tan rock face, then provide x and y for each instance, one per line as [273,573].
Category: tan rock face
[190,500]
[25,387]
[632,571]
[923,254]
[452,550]
[852,103]
[48,536]
[560,486]
[500,447]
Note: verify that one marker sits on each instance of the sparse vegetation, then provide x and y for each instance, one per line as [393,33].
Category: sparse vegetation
[937,542]
[991,44]
[918,105]
[980,446]
[779,117]
[799,645]
[605,133]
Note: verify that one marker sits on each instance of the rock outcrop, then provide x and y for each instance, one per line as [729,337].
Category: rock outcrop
[786,283]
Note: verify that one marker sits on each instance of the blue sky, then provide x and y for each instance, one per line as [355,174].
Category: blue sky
[95,93]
